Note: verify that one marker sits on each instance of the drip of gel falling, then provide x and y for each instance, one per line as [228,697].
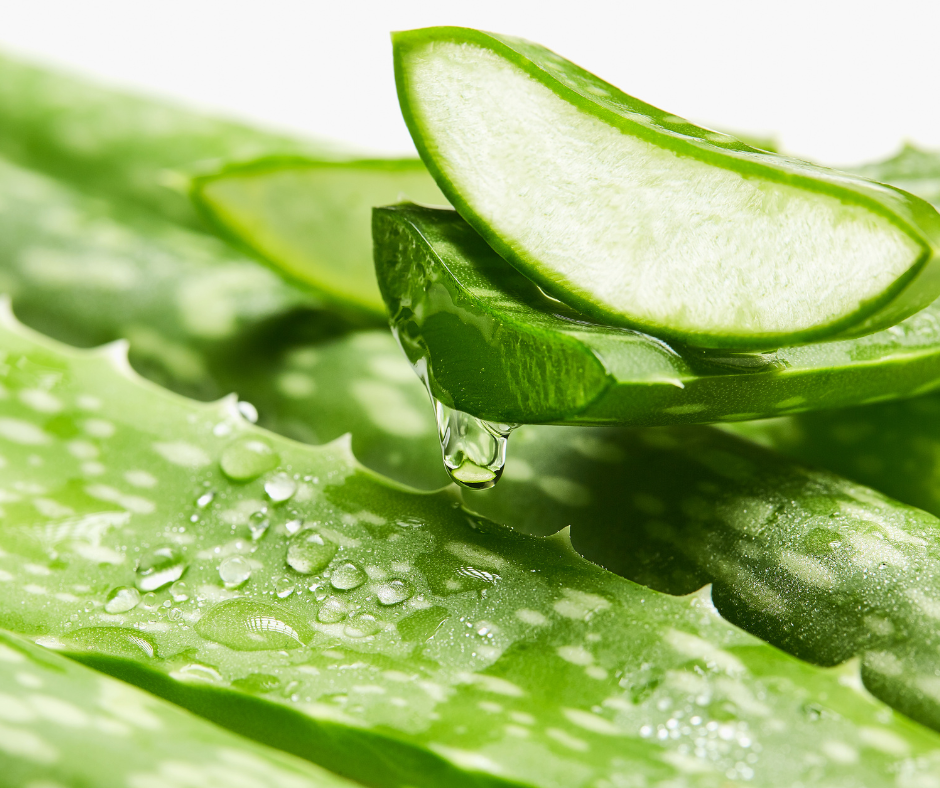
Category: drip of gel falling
[474,450]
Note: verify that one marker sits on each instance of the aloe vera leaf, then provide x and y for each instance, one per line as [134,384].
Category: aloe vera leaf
[913,169]
[205,321]
[488,336]
[311,218]
[126,147]
[815,564]
[63,724]
[641,219]
[436,647]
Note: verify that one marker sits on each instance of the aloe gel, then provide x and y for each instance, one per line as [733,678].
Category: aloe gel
[639,218]
[435,647]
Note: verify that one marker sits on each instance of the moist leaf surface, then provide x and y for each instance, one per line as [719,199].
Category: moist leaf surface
[63,724]
[430,647]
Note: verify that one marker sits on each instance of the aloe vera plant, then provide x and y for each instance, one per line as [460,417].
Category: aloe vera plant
[389,635]
[485,336]
[642,219]
[63,724]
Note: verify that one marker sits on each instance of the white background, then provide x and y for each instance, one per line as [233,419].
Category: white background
[841,82]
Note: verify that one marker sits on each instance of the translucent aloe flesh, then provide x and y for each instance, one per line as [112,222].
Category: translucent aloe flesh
[641,219]
[492,345]
[389,635]
[127,147]
[62,724]
[311,219]
[205,321]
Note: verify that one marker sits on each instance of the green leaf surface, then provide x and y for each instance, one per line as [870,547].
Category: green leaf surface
[205,321]
[62,724]
[389,635]
[494,346]
[639,218]
[819,566]
[311,219]
[126,147]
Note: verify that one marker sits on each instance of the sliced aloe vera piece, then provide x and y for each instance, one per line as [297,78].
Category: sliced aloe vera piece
[205,321]
[642,219]
[130,148]
[62,724]
[817,565]
[311,218]
[492,345]
[389,635]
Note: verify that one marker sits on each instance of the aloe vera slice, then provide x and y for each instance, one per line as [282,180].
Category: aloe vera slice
[126,147]
[63,724]
[641,219]
[484,336]
[205,321]
[311,218]
[391,636]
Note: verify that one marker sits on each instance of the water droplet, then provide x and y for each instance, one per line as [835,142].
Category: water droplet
[234,571]
[347,576]
[280,487]
[284,587]
[204,500]
[246,625]
[293,526]
[474,450]
[258,524]
[308,552]
[114,641]
[179,591]
[362,626]
[122,599]
[248,411]
[393,592]
[175,614]
[247,459]
[160,567]
[149,602]
[332,611]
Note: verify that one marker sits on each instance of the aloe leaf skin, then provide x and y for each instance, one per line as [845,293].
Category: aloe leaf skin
[205,321]
[311,219]
[175,544]
[817,565]
[640,219]
[129,148]
[488,336]
[63,724]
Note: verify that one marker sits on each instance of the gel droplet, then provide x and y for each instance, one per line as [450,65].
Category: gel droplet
[280,488]
[332,611]
[159,567]
[308,552]
[474,450]
[246,625]
[122,599]
[247,459]
[361,626]
[234,571]
[347,576]
[393,592]
[258,524]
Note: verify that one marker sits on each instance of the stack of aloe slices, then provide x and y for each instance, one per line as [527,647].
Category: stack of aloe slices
[392,636]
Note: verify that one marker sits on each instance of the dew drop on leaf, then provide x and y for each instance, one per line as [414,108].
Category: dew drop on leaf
[308,552]
[160,567]
[247,459]
[284,587]
[362,626]
[249,412]
[258,524]
[332,611]
[179,591]
[347,576]
[122,599]
[393,592]
[246,625]
[234,571]
[280,488]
